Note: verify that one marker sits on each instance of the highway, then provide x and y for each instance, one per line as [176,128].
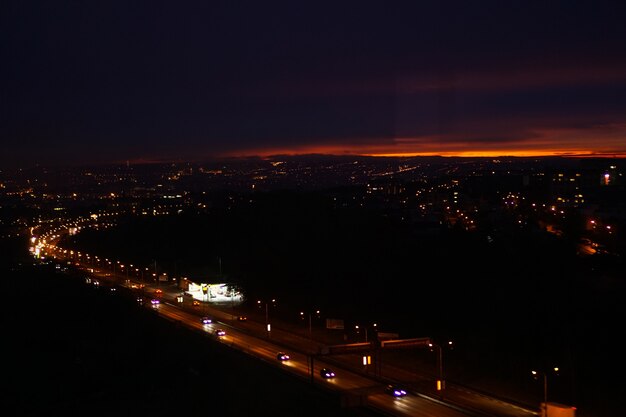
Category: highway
[356,384]
[354,387]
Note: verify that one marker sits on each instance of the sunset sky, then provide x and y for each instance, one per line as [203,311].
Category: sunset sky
[92,82]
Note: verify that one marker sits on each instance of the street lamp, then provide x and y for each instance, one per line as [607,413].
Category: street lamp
[317,312]
[267,317]
[232,304]
[357,331]
[441,384]
[365,327]
[545,388]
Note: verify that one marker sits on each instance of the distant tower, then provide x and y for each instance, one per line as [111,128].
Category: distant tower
[610,176]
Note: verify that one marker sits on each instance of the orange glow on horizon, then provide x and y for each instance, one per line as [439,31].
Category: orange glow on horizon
[347,151]
[606,141]
[490,154]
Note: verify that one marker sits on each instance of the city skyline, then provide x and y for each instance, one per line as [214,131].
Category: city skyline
[104,83]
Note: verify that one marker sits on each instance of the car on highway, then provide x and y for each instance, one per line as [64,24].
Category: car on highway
[395,391]
[282,356]
[158,292]
[196,302]
[327,373]
[155,302]
[220,332]
[206,320]
[242,318]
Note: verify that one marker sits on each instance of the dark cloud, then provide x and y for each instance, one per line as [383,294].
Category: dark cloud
[122,80]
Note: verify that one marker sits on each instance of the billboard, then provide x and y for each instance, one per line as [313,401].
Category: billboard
[334,324]
[387,336]
[400,343]
[215,293]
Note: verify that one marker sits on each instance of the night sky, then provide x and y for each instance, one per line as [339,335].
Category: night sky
[111,81]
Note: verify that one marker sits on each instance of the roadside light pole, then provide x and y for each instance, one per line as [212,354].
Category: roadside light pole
[545,389]
[374,325]
[544,406]
[357,330]
[310,322]
[232,304]
[268,326]
[441,383]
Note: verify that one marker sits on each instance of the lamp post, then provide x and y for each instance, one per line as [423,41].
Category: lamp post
[267,321]
[545,388]
[232,304]
[441,383]
[365,328]
[268,326]
[317,312]
[357,330]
